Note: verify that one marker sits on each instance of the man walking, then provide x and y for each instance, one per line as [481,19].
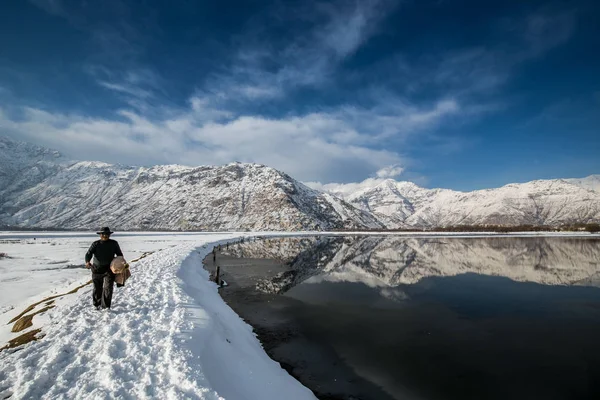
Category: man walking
[103,251]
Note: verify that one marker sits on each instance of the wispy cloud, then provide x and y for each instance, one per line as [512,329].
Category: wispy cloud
[304,146]
[212,129]
[263,69]
[391,171]
[351,25]
[223,120]
[335,143]
[344,190]
[545,30]
[127,89]
[476,71]
[136,86]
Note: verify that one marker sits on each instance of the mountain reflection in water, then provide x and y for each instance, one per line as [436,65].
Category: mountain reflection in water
[390,261]
[416,318]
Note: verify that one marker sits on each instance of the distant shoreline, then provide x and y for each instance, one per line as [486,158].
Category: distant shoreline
[6,234]
[463,229]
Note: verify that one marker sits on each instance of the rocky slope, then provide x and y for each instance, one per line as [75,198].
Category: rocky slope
[85,195]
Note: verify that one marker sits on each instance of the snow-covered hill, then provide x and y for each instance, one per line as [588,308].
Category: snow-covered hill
[592,182]
[23,165]
[85,195]
[41,188]
[541,202]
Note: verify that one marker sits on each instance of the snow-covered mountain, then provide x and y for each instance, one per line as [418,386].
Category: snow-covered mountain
[23,165]
[41,188]
[542,202]
[592,182]
[38,192]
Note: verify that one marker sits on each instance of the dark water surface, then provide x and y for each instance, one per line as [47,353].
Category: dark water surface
[441,318]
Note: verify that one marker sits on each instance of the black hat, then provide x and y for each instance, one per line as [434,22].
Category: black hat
[105,231]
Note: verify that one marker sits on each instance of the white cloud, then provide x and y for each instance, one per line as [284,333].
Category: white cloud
[306,146]
[336,141]
[391,171]
[351,25]
[130,90]
[399,119]
[344,190]
[332,144]
[135,86]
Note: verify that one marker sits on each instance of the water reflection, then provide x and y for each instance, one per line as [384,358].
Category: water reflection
[392,261]
[415,318]
[467,336]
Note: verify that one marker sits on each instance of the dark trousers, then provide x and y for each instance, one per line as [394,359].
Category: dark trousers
[103,289]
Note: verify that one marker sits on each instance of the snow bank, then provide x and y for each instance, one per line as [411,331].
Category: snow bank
[168,336]
[224,346]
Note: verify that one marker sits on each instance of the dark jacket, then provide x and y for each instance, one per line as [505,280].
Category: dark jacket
[103,253]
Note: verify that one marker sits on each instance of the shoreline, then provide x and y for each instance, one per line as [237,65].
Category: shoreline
[259,234]
[310,363]
[286,342]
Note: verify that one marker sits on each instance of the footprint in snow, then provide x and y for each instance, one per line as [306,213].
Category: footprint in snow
[117,349]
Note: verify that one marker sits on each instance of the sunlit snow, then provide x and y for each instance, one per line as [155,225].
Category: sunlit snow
[169,334]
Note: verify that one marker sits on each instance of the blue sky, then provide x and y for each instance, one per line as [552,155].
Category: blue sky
[455,94]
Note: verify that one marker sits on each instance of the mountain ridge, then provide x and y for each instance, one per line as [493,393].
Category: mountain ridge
[88,194]
[42,188]
[539,202]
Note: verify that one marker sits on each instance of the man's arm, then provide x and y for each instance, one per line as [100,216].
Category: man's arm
[118,251]
[89,254]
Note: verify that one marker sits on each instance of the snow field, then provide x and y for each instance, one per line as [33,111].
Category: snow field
[169,335]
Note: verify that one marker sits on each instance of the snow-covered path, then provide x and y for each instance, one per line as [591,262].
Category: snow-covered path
[168,336]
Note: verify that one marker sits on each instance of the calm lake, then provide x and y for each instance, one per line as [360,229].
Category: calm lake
[424,318]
